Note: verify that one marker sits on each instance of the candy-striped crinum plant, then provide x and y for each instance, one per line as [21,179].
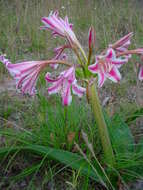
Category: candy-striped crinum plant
[94,73]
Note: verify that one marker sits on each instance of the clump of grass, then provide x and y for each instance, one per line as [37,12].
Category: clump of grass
[49,126]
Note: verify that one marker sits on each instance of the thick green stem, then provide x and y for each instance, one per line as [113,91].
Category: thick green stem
[103,131]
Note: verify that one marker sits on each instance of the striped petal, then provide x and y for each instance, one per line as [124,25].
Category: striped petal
[114,75]
[70,74]
[94,68]
[66,94]
[55,88]
[119,61]
[78,90]
[101,79]
[124,41]
[110,54]
[28,85]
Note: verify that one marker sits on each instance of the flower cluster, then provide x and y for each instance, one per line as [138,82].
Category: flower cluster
[107,63]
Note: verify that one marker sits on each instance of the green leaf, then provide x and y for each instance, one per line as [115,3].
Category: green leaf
[120,134]
[72,160]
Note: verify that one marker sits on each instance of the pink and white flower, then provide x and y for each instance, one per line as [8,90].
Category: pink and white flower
[122,44]
[63,85]
[59,54]
[107,66]
[141,73]
[59,27]
[25,74]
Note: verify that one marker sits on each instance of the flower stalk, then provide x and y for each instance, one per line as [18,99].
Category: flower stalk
[103,131]
[83,54]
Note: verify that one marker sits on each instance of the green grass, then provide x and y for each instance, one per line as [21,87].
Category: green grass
[34,132]
[46,126]
[40,135]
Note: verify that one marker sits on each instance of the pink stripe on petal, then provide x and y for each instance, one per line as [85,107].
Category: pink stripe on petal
[78,90]
[119,61]
[94,68]
[101,79]
[21,79]
[66,95]
[124,39]
[23,66]
[29,82]
[127,44]
[114,75]
[141,73]
[46,21]
[110,54]
[32,89]
[121,49]
[30,86]
[55,88]
[27,76]
[69,72]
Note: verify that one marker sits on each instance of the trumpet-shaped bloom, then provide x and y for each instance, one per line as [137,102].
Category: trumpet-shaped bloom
[63,85]
[59,27]
[141,73]
[25,74]
[122,44]
[107,67]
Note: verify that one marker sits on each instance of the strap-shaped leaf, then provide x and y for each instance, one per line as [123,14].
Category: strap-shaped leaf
[72,160]
[120,134]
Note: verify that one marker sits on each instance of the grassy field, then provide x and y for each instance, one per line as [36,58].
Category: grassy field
[42,120]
